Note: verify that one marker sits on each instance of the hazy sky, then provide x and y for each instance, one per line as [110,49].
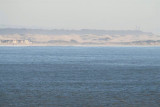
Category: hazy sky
[77,14]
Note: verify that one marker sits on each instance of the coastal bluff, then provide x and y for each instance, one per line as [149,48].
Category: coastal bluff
[83,37]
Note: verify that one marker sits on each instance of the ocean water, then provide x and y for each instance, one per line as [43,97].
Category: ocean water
[79,76]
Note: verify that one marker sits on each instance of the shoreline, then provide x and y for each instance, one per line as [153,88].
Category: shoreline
[79,45]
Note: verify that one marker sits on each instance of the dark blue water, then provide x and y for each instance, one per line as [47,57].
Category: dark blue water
[79,76]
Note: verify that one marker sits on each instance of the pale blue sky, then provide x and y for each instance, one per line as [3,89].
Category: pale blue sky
[77,14]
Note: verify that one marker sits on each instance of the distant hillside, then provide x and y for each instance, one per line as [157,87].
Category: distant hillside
[84,37]
[7,31]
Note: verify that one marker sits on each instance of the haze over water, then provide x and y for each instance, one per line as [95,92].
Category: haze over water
[79,76]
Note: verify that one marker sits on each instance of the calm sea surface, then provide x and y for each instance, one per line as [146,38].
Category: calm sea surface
[79,76]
